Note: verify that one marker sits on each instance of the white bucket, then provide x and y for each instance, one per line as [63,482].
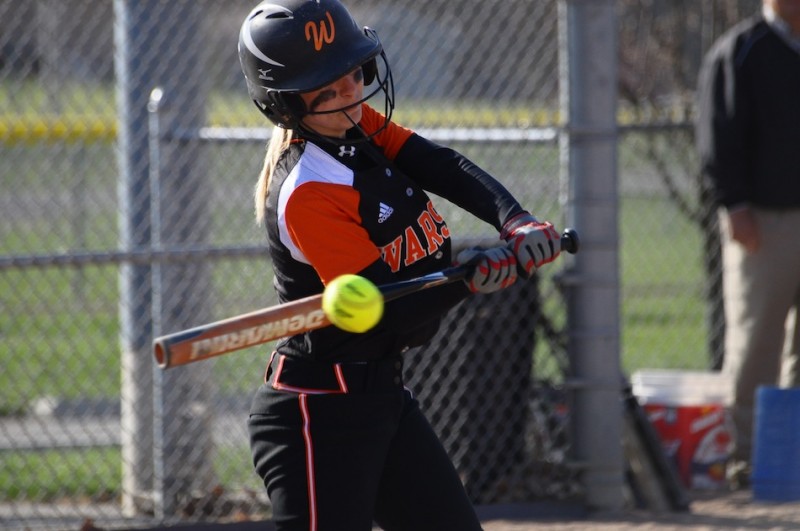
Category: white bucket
[681,388]
[688,409]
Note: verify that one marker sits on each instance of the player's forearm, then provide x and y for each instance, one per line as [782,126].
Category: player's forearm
[449,174]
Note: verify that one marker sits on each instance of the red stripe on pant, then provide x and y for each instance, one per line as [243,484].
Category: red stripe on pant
[312,487]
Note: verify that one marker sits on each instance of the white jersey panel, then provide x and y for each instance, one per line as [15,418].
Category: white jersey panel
[315,165]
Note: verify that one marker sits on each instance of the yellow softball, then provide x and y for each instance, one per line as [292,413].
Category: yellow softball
[352,303]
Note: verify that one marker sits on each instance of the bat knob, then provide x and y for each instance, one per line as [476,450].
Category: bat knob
[570,241]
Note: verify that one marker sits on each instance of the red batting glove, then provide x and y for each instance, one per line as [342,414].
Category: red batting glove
[494,269]
[533,243]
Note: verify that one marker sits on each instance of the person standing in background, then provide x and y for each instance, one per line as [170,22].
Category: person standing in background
[748,139]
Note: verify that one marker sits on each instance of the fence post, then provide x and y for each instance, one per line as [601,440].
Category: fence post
[588,48]
[154,480]
[134,279]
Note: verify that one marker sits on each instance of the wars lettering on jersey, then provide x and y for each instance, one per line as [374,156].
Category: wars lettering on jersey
[409,247]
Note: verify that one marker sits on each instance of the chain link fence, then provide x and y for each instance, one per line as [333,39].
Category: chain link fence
[118,227]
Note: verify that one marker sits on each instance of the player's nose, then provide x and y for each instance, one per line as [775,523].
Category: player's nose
[348,85]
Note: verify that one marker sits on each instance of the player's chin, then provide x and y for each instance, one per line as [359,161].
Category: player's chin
[354,113]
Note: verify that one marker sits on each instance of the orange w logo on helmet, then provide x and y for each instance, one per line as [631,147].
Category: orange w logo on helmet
[320,33]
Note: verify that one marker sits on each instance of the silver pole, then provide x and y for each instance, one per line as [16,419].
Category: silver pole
[154,134]
[184,443]
[588,145]
[135,303]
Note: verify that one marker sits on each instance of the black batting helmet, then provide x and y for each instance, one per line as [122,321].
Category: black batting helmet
[291,46]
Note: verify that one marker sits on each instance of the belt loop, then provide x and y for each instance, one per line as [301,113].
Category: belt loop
[268,371]
[276,383]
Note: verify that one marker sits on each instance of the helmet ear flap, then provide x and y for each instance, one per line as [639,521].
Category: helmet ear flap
[283,109]
[295,104]
[370,71]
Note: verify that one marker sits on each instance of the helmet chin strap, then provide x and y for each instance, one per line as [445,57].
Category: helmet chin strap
[364,133]
[310,134]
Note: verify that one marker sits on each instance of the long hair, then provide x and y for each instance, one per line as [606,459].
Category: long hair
[278,143]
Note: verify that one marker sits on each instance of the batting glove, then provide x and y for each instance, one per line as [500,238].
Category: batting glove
[494,269]
[534,243]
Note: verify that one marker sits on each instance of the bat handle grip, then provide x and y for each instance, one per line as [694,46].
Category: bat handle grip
[570,241]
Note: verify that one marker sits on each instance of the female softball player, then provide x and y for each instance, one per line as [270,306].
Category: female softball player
[336,438]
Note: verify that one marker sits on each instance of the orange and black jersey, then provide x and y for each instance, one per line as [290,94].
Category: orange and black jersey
[357,208]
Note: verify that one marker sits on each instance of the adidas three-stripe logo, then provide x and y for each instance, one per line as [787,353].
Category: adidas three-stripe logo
[384,211]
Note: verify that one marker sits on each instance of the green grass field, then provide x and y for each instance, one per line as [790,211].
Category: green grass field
[662,306]
[94,473]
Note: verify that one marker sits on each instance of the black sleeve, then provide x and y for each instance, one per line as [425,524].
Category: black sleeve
[448,174]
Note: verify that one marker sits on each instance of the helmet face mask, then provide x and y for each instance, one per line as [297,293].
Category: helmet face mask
[377,77]
[288,47]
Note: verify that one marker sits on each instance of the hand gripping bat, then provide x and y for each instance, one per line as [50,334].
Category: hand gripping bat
[290,318]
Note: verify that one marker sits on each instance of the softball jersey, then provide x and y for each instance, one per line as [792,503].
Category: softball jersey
[363,208]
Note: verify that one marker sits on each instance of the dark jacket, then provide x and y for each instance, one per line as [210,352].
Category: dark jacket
[748,128]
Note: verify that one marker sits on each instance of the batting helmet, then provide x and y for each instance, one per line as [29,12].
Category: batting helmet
[291,46]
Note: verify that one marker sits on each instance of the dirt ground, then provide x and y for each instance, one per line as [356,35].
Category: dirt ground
[709,510]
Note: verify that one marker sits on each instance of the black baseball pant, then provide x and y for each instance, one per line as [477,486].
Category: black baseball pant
[342,446]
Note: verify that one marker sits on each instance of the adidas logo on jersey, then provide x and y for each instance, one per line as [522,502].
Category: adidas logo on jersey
[384,211]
